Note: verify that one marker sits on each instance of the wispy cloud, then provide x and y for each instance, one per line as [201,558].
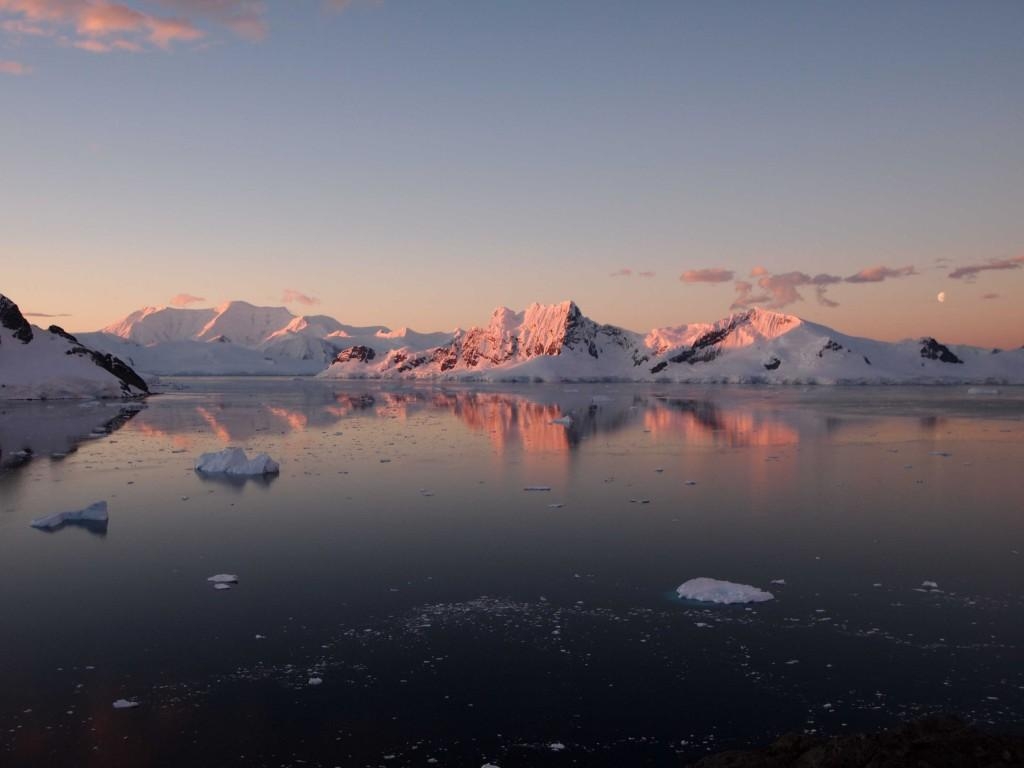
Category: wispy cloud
[8,67]
[624,272]
[184,299]
[711,275]
[291,296]
[879,273]
[103,26]
[646,273]
[971,272]
[45,314]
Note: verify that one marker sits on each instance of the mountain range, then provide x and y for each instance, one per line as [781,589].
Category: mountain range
[554,342]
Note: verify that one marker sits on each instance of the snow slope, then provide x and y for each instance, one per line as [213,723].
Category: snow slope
[51,364]
[558,343]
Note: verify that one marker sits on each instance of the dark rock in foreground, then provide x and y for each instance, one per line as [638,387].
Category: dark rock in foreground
[933,742]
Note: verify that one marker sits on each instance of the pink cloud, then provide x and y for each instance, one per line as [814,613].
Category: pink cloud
[8,67]
[712,275]
[971,272]
[291,296]
[778,291]
[879,273]
[758,271]
[90,24]
[184,299]
[645,274]
[624,272]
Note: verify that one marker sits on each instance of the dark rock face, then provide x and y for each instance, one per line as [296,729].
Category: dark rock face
[831,346]
[935,742]
[932,350]
[359,352]
[56,330]
[12,319]
[772,364]
[114,365]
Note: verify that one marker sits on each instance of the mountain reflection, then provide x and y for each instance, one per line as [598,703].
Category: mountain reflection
[521,420]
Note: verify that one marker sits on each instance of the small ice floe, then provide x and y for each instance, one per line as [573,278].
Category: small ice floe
[315,681]
[565,421]
[724,592]
[223,580]
[426,492]
[659,470]
[125,704]
[639,501]
[689,482]
[95,513]
[930,584]
[556,746]
[781,582]
[537,488]
[982,391]
[944,454]
[556,505]
[791,662]
[233,461]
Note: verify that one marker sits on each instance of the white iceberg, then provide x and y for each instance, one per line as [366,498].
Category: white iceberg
[94,513]
[233,461]
[125,704]
[223,578]
[725,592]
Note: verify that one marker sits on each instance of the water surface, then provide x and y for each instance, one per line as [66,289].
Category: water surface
[454,616]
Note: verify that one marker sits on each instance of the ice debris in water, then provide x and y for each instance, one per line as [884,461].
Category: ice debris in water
[233,461]
[223,580]
[125,704]
[537,488]
[565,421]
[94,513]
[930,584]
[315,680]
[725,592]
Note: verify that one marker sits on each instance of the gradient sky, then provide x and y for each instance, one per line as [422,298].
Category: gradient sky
[418,162]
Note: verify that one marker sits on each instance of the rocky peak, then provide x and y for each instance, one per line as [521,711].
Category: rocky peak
[12,319]
[932,350]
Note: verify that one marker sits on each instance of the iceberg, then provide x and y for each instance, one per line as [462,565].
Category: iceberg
[724,592]
[223,578]
[125,704]
[94,513]
[233,461]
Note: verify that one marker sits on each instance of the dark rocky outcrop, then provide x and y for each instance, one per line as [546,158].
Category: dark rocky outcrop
[932,742]
[932,350]
[359,353]
[113,365]
[830,346]
[772,364]
[12,319]
[56,330]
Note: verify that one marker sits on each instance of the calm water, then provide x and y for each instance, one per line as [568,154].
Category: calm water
[454,617]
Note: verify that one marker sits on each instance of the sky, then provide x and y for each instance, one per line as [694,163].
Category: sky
[420,162]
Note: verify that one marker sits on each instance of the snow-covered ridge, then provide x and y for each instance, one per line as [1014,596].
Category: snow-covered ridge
[539,343]
[51,364]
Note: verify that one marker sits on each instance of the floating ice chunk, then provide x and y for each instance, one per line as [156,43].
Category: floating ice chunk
[223,578]
[725,592]
[565,421]
[556,746]
[222,586]
[689,482]
[940,453]
[929,585]
[537,488]
[233,461]
[779,581]
[94,513]
[982,391]
[315,680]
[125,704]
[555,506]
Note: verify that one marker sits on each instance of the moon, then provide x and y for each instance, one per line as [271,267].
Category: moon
[941,297]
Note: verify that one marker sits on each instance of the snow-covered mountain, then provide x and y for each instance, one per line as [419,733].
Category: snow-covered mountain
[541,343]
[239,338]
[557,342]
[51,364]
